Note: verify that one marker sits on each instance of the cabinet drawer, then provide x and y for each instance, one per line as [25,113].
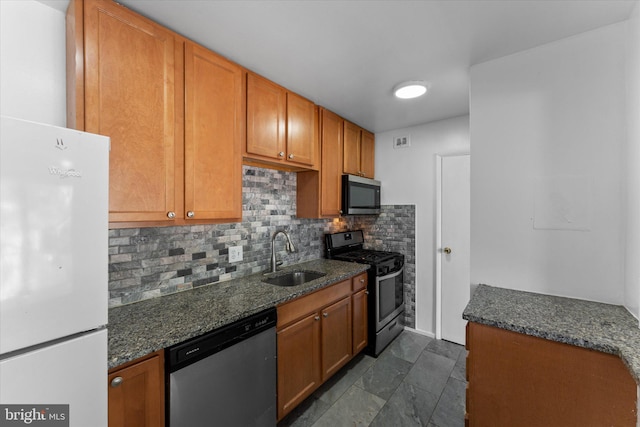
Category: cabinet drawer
[359,282]
[293,310]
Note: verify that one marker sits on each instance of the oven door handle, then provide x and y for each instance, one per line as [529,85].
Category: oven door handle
[390,276]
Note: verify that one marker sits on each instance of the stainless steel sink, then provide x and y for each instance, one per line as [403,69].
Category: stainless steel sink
[294,278]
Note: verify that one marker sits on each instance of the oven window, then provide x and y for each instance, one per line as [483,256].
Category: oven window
[391,295]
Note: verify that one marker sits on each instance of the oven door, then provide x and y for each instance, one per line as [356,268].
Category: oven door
[389,297]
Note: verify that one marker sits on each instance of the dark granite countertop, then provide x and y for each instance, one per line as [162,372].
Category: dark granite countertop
[596,326]
[138,329]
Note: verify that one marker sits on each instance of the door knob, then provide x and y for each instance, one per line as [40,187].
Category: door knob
[447,250]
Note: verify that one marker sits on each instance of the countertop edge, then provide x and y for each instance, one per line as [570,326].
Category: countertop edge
[619,335]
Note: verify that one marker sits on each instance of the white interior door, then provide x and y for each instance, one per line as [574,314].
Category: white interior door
[453,254]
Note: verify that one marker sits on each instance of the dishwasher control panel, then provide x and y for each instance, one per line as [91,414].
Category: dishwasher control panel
[195,349]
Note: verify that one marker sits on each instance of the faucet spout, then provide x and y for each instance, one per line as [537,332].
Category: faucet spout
[290,247]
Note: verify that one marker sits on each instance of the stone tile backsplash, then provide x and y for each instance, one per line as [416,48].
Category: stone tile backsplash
[151,262]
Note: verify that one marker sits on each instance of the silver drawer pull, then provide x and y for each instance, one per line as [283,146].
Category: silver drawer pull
[116,382]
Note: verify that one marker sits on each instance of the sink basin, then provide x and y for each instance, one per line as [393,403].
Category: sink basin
[294,278]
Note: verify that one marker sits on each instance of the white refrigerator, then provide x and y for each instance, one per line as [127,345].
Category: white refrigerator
[53,275]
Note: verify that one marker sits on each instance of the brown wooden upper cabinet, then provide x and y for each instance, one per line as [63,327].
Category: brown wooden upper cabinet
[331,170]
[174,112]
[319,193]
[214,135]
[282,127]
[359,151]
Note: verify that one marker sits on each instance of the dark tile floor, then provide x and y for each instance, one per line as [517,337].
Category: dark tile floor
[416,381]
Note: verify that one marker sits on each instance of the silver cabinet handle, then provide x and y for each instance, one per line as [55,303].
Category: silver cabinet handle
[281,154]
[447,251]
[361,280]
[316,318]
[290,156]
[325,314]
[366,292]
[116,381]
[171,214]
[190,214]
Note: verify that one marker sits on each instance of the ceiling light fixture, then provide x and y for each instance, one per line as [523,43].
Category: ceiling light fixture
[408,90]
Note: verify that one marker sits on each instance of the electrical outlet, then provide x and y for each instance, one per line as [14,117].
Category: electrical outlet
[235,253]
[402,141]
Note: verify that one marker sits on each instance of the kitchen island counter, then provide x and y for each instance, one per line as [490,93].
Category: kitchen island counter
[596,326]
[138,329]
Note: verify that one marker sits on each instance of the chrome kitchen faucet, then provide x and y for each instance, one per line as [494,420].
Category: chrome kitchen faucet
[290,247]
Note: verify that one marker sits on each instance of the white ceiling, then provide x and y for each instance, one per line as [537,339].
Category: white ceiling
[348,55]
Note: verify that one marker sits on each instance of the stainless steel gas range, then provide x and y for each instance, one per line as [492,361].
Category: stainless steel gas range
[386,285]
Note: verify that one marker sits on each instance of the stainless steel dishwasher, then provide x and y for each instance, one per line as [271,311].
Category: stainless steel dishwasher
[226,377]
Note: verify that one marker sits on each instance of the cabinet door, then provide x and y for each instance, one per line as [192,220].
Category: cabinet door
[351,159]
[302,130]
[336,337]
[367,154]
[360,339]
[359,303]
[136,394]
[130,96]
[517,380]
[298,362]
[331,171]
[266,115]
[214,122]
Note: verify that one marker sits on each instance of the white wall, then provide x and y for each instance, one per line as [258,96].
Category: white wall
[632,264]
[548,127]
[409,177]
[32,62]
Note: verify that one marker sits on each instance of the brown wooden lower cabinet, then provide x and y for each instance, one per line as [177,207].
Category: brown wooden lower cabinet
[136,393]
[520,380]
[299,371]
[336,337]
[315,335]
[360,313]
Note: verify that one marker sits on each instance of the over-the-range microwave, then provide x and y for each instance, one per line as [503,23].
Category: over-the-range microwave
[360,196]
